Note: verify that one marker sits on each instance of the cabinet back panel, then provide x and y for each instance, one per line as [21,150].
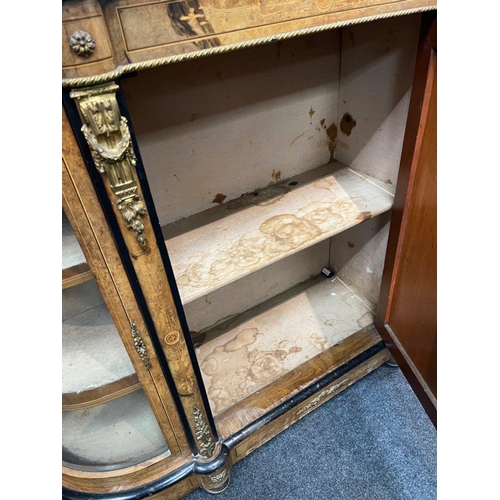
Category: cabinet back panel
[231,300]
[215,128]
[378,61]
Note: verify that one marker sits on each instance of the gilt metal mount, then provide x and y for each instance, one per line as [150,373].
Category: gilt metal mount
[140,346]
[108,137]
[82,43]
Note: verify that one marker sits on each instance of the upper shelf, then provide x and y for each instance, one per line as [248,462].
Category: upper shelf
[221,245]
[103,40]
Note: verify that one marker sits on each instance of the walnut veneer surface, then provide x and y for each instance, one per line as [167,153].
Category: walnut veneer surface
[111,39]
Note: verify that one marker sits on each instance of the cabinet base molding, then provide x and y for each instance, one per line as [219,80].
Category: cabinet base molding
[214,475]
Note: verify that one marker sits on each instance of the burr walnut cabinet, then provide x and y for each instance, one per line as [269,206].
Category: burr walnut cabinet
[249,226]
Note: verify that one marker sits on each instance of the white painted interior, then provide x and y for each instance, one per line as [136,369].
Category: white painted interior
[257,287]
[277,336]
[357,256]
[375,86]
[224,124]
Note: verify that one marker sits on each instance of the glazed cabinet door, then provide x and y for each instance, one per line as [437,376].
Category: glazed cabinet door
[407,317]
[154,329]
[121,427]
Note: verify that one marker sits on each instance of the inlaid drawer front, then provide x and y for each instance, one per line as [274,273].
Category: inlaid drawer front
[85,41]
[202,22]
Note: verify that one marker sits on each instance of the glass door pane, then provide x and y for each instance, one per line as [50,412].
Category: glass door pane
[107,420]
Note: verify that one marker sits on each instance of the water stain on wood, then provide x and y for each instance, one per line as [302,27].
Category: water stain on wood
[219,198]
[347,124]
[331,132]
[364,216]
[249,369]
[276,175]
[264,197]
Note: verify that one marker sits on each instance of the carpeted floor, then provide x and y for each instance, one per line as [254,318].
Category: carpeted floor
[373,441]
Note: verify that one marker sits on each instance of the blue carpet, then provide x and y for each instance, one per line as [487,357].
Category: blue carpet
[373,441]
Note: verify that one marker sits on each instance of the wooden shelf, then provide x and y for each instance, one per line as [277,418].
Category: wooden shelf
[119,433]
[216,247]
[95,364]
[275,338]
[75,269]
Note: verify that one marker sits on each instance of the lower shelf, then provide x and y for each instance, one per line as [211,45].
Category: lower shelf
[241,361]
[95,364]
[117,434]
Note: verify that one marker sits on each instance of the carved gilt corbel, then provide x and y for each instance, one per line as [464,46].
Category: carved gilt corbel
[108,137]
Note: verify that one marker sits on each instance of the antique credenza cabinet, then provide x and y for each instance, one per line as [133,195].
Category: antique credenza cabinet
[249,226]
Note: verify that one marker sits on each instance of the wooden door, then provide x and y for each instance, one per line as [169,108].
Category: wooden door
[407,315]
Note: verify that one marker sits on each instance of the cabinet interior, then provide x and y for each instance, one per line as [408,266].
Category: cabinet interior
[265,166]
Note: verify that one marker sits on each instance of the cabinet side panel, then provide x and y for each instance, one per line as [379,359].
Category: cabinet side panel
[212,129]
[357,257]
[378,60]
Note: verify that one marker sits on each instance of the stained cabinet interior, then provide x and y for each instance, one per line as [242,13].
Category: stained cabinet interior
[266,165]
